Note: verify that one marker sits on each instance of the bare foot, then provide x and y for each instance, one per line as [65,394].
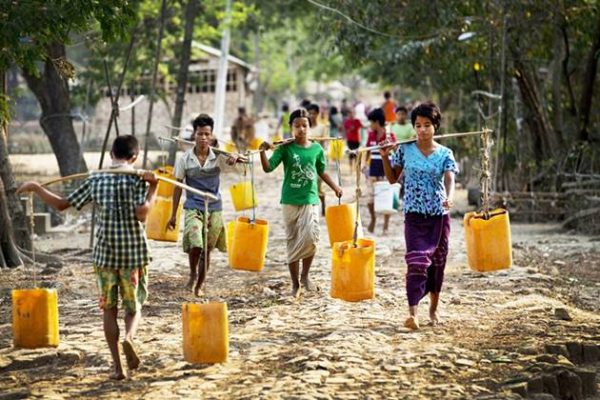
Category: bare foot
[295,291]
[412,323]
[191,282]
[371,226]
[117,376]
[308,285]
[198,291]
[434,318]
[133,361]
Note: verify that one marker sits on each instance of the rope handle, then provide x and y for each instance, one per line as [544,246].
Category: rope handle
[358,172]
[485,178]
[32,227]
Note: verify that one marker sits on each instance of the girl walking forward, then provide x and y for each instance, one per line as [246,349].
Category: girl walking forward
[429,170]
[303,162]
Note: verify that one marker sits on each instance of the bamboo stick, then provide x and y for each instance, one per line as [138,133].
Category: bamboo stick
[138,172]
[241,158]
[396,144]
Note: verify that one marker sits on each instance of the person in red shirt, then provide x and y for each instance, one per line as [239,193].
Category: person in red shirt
[352,127]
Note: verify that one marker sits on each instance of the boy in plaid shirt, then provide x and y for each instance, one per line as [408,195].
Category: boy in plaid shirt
[121,253]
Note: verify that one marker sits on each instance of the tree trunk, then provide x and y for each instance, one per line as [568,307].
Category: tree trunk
[191,11]
[52,92]
[557,112]
[536,118]
[9,255]
[20,229]
[589,78]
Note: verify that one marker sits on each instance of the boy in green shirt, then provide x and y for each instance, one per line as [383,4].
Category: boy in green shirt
[402,129]
[303,162]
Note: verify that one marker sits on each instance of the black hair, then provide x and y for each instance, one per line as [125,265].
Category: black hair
[401,108]
[285,107]
[299,113]
[124,147]
[387,94]
[313,107]
[428,110]
[241,110]
[377,115]
[203,120]
[333,110]
[305,103]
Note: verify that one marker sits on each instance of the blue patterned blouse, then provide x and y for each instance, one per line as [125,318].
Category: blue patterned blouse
[424,177]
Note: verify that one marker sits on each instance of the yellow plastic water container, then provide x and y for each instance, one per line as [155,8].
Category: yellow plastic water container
[488,241]
[229,240]
[165,189]
[353,270]
[205,333]
[340,223]
[35,318]
[230,147]
[255,143]
[336,150]
[158,217]
[248,244]
[243,195]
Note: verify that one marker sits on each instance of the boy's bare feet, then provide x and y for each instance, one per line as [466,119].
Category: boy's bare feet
[295,290]
[191,282]
[117,376]
[133,361]
[198,291]
[308,285]
[412,323]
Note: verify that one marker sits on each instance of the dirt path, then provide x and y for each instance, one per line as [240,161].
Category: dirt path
[496,338]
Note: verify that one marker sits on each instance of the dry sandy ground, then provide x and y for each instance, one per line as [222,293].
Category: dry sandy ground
[493,341]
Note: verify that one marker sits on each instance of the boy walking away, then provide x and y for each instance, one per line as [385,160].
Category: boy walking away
[402,129]
[376,136]
[352,127]
[389,107]
[121,254]
[200,167]
[303,162]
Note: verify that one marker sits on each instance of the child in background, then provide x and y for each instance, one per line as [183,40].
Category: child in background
[303,162]
[121,253]
[402,129]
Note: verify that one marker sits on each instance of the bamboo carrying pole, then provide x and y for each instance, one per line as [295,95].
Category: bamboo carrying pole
[215,149]
[395,144]
[291,140]
[138,172]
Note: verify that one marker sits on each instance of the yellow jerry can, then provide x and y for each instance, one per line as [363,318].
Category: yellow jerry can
[255,143]
[205,333]
[35,318]
[248,245]
[165,189]
[488,241]
[353,270]
[336,150]
[158,217]
[230,147]
[340,222]
[243,195]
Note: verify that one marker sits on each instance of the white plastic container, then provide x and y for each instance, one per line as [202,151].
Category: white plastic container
[384,197]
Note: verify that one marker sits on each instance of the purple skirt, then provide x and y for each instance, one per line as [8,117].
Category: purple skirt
[426,250]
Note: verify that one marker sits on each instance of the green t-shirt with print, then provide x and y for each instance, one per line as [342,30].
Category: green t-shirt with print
[402,132]
[301,166]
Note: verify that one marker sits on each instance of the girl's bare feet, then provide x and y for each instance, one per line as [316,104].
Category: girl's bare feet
[308,285]
[434,318]
[412,323]
[295,290]
[117,376]
[191,282]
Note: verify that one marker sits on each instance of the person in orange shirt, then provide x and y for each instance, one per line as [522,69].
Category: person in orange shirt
[389,108]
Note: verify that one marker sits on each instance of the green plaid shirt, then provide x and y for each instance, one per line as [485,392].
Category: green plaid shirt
[120,237]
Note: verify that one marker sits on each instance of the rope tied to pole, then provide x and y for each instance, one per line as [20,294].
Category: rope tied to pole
[485,177]
[358,193]
[339,175]
[32,226]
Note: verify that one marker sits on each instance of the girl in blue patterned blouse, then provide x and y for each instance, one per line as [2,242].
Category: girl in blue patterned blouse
[429,170]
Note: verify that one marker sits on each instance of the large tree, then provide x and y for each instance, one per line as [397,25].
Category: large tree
[34,33]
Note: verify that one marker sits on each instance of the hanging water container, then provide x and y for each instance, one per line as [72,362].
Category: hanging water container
[205,333]
[488,241]
[158,217]
[230,147]
[35,318]
[340,223]
[353,270]
[248,244]
[255,143]
[336,150]
[243,195]
[165,189]
[384,197]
